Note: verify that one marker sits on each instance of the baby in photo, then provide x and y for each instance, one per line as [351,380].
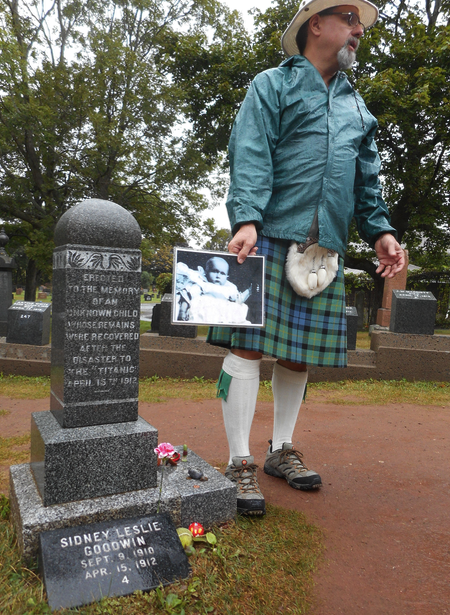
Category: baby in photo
[206,295]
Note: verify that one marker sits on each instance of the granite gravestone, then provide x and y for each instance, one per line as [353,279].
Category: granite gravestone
[165,321]
[96,309]
[156,317]
[413,312]
[92,442]
[86,563]
[29,323]
[7,264]
[352,327]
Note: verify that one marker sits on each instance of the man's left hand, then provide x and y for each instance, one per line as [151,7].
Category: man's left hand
[390,254]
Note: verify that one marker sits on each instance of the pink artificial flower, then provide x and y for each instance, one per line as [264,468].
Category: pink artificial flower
[165,450]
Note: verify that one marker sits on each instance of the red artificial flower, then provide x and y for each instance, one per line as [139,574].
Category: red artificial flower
[196,529]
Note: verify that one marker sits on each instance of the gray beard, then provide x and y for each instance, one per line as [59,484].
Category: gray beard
[346,57]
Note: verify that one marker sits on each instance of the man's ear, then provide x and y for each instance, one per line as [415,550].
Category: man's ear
[315,25]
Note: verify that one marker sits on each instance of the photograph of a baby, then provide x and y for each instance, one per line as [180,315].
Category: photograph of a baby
[211,288]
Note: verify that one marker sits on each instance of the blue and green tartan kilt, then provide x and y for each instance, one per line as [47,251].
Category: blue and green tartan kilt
[310,331]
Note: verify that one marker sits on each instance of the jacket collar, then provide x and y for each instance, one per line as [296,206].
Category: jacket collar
[300,61]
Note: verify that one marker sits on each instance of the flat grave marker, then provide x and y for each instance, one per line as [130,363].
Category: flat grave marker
[83,564]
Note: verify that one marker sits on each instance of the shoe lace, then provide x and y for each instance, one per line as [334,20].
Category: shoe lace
[246,478]
[292,456]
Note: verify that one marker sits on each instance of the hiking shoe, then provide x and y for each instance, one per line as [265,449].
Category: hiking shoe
[287,463]
[242,472]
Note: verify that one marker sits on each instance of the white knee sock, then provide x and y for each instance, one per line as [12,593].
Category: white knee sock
[288,389]
[239,408]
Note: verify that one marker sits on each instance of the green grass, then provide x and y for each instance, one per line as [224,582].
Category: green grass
[362,340]
[145,325]
[380,392]
[357,392]
[24,387]
[262,566]
[13,450]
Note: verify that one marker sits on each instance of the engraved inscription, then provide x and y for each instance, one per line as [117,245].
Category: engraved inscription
[113,551]
[30,306]
[88,562]
[102,325]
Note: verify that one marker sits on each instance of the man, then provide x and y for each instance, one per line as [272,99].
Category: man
[303,160]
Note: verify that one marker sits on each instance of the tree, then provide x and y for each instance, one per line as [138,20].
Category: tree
[146,279]
[404,77]
[156,261]
[213,74]
[218,238]
[86,111]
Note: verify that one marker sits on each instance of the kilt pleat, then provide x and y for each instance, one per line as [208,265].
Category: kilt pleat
[310,331]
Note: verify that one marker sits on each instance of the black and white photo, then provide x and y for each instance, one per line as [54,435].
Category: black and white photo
[212,288]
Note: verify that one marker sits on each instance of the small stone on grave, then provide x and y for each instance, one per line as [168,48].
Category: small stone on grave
[29,323]
[83,564]
[413,312]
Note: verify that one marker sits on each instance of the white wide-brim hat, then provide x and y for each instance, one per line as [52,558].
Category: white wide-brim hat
[368,15]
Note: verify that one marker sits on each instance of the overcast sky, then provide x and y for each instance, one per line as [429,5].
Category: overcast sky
[243,6]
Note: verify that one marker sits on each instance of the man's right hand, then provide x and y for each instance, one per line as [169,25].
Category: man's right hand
[243,243]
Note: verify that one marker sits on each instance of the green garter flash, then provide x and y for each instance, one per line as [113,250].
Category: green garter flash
[223,385]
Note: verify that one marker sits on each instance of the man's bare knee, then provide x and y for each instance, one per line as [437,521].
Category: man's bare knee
[251,355]
[294,367]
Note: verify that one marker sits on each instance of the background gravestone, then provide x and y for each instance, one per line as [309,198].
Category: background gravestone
[413,312]
[29,323]
[165,321]
[7,264]
[156,318]
[352,327]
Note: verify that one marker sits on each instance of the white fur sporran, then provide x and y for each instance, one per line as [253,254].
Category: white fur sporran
[310,268]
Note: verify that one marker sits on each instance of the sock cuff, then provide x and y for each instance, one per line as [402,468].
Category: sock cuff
[242,369]
[289,375]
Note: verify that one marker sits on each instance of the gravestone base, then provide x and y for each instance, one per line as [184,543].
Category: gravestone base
[384,317]
[84,462]
[210,502]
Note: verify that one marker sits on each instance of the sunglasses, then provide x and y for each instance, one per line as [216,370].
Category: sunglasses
[352,18]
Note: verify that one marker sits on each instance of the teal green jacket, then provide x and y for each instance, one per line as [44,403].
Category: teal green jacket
[297,147]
